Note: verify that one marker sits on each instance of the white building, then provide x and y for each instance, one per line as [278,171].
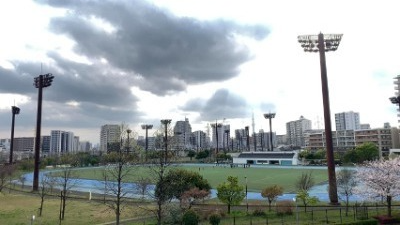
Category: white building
[295,131]
[285,158]
[347,121]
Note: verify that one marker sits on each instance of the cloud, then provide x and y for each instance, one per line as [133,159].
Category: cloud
[223,104]
[167,52]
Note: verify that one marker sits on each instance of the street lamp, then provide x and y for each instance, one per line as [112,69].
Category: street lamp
[166,122]
[323,43]
[147,127]
[395,100]
[41,82]
[270,116]
[14,110]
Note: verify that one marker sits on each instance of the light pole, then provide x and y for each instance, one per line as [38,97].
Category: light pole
[14,110]
[270,116]
[128,131]
[166,122]
[146,127]
[247,202]
[323,43]
[41,82]
[297,210]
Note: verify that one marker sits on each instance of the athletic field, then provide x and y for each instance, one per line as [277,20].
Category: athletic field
[257,177]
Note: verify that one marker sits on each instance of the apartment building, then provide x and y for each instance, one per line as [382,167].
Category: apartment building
[347,121]
[295,131]
[109,133]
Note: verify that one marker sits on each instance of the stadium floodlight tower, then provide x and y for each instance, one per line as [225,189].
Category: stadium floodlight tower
[14,110]
[147,127]
[270,116]
[396,101]
[166,122]
[325,43]
[41,82]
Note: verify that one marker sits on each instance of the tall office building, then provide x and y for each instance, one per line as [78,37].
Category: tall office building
[347,121]
[182,131]
[295,131]
[109,133]
[61,142]
[220,135]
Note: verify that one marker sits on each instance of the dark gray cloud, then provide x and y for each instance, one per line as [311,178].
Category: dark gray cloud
[223,104]
[168,52]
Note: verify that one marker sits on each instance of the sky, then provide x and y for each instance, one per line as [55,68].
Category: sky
[140,61]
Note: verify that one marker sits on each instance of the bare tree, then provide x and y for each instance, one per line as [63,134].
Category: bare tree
[116,175]
[22,180]
[158,169]
[142,184]
[346,182]
[44,190]
[66,181]
[6,172]
[305,182]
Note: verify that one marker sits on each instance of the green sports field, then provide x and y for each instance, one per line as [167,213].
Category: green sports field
[257,178]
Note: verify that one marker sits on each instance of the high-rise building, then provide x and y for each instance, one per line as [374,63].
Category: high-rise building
[295,131]
[347,121]
[109,133]
[61,142]
[199,140]
[220,135]
[182,131]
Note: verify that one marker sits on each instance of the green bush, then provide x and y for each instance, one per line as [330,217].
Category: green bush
[190,218]
[364,222]
[214,219]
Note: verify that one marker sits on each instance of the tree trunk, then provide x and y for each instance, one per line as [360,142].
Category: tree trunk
[389,205]
[229,208]
[41,206]
[269,205]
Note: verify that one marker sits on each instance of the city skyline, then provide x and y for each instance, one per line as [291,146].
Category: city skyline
[208,61]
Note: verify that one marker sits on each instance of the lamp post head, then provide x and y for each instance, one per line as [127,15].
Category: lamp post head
[147,126]
[15,110]
[166,121]
[310,42]
[395,100]
[269,115]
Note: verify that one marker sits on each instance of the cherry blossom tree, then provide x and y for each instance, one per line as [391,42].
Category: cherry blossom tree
[380,178]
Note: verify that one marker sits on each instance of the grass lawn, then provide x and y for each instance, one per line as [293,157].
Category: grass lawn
[19,208]
[257,178]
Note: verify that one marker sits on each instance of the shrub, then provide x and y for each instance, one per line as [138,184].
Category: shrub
[259,212]
[190,218]
[284,208]
[214,219]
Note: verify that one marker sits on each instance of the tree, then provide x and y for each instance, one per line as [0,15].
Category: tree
[191,154]
[367,152]
[115,176]
[179,180]
[66,180]
[44,189]
[190,218]
[364,152]
[230,192]
[380,178]
[193,195]
[141,185]
[203,154]
[305,182]
[6,171]
[346,183]
[306,199]
[271,193]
